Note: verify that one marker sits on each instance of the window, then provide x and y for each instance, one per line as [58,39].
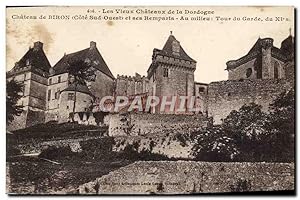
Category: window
[248,72]
[276,71]
[50,81]
[70,96]
[166,72]
[27,62]
[23,89]
[59,79]
[49,95]
[57,93]
[201,89]
[154,76]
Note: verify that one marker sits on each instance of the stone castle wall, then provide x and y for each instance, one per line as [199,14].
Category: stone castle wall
[201,95]
[169,145]
[38,91]
[225,96]
[187,177]
[131,85]
[135,124]
[241,71]
[255,65]
[180,82]
[289,69]
[55,86]
[102,86]
[83,101]
[33,101]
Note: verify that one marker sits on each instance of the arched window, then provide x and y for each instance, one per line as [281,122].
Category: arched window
[248,72]
[276,70]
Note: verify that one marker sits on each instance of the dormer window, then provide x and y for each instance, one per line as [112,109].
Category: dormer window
[166,72]
[249,72]
[27,62]
[175,47]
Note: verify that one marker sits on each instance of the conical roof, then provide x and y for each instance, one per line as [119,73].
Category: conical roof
[79,88]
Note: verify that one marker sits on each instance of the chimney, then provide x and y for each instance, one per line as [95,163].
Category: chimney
[92,45]
[38,45]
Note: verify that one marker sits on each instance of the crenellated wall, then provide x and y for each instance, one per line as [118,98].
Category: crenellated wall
[225,96]
[147,124]
[131,85]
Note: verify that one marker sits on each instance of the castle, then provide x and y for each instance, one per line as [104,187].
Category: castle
[48,94]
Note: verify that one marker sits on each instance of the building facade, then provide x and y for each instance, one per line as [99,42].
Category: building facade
[263,61]
[59,83]
[259,77]
[49,93]
[32,71]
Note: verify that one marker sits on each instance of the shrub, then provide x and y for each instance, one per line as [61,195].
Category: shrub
[57,153]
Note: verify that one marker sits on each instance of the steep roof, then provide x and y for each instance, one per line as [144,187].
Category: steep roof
[91,53]
[255,51]
[36,58]
[167,50]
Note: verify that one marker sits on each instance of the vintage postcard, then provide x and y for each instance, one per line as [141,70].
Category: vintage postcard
[150,100]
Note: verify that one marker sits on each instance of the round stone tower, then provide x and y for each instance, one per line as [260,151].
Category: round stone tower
[82,97]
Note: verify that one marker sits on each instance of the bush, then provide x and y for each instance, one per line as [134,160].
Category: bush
[131,153]
[251,135]
[57,153]
[212,144]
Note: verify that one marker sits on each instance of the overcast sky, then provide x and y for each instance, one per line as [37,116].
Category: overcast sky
[127,46]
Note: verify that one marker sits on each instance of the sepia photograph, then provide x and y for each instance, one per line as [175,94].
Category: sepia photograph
[150,100]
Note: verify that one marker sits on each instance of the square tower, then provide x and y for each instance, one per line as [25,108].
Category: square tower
[31,71]
[171,75]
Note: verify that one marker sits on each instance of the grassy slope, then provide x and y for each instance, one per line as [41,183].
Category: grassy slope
[35,176]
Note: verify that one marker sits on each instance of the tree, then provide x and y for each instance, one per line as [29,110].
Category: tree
[248,128]
[13,95]
[248,121]
[282,125]
[213,144]
[80,71]
[249,134]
